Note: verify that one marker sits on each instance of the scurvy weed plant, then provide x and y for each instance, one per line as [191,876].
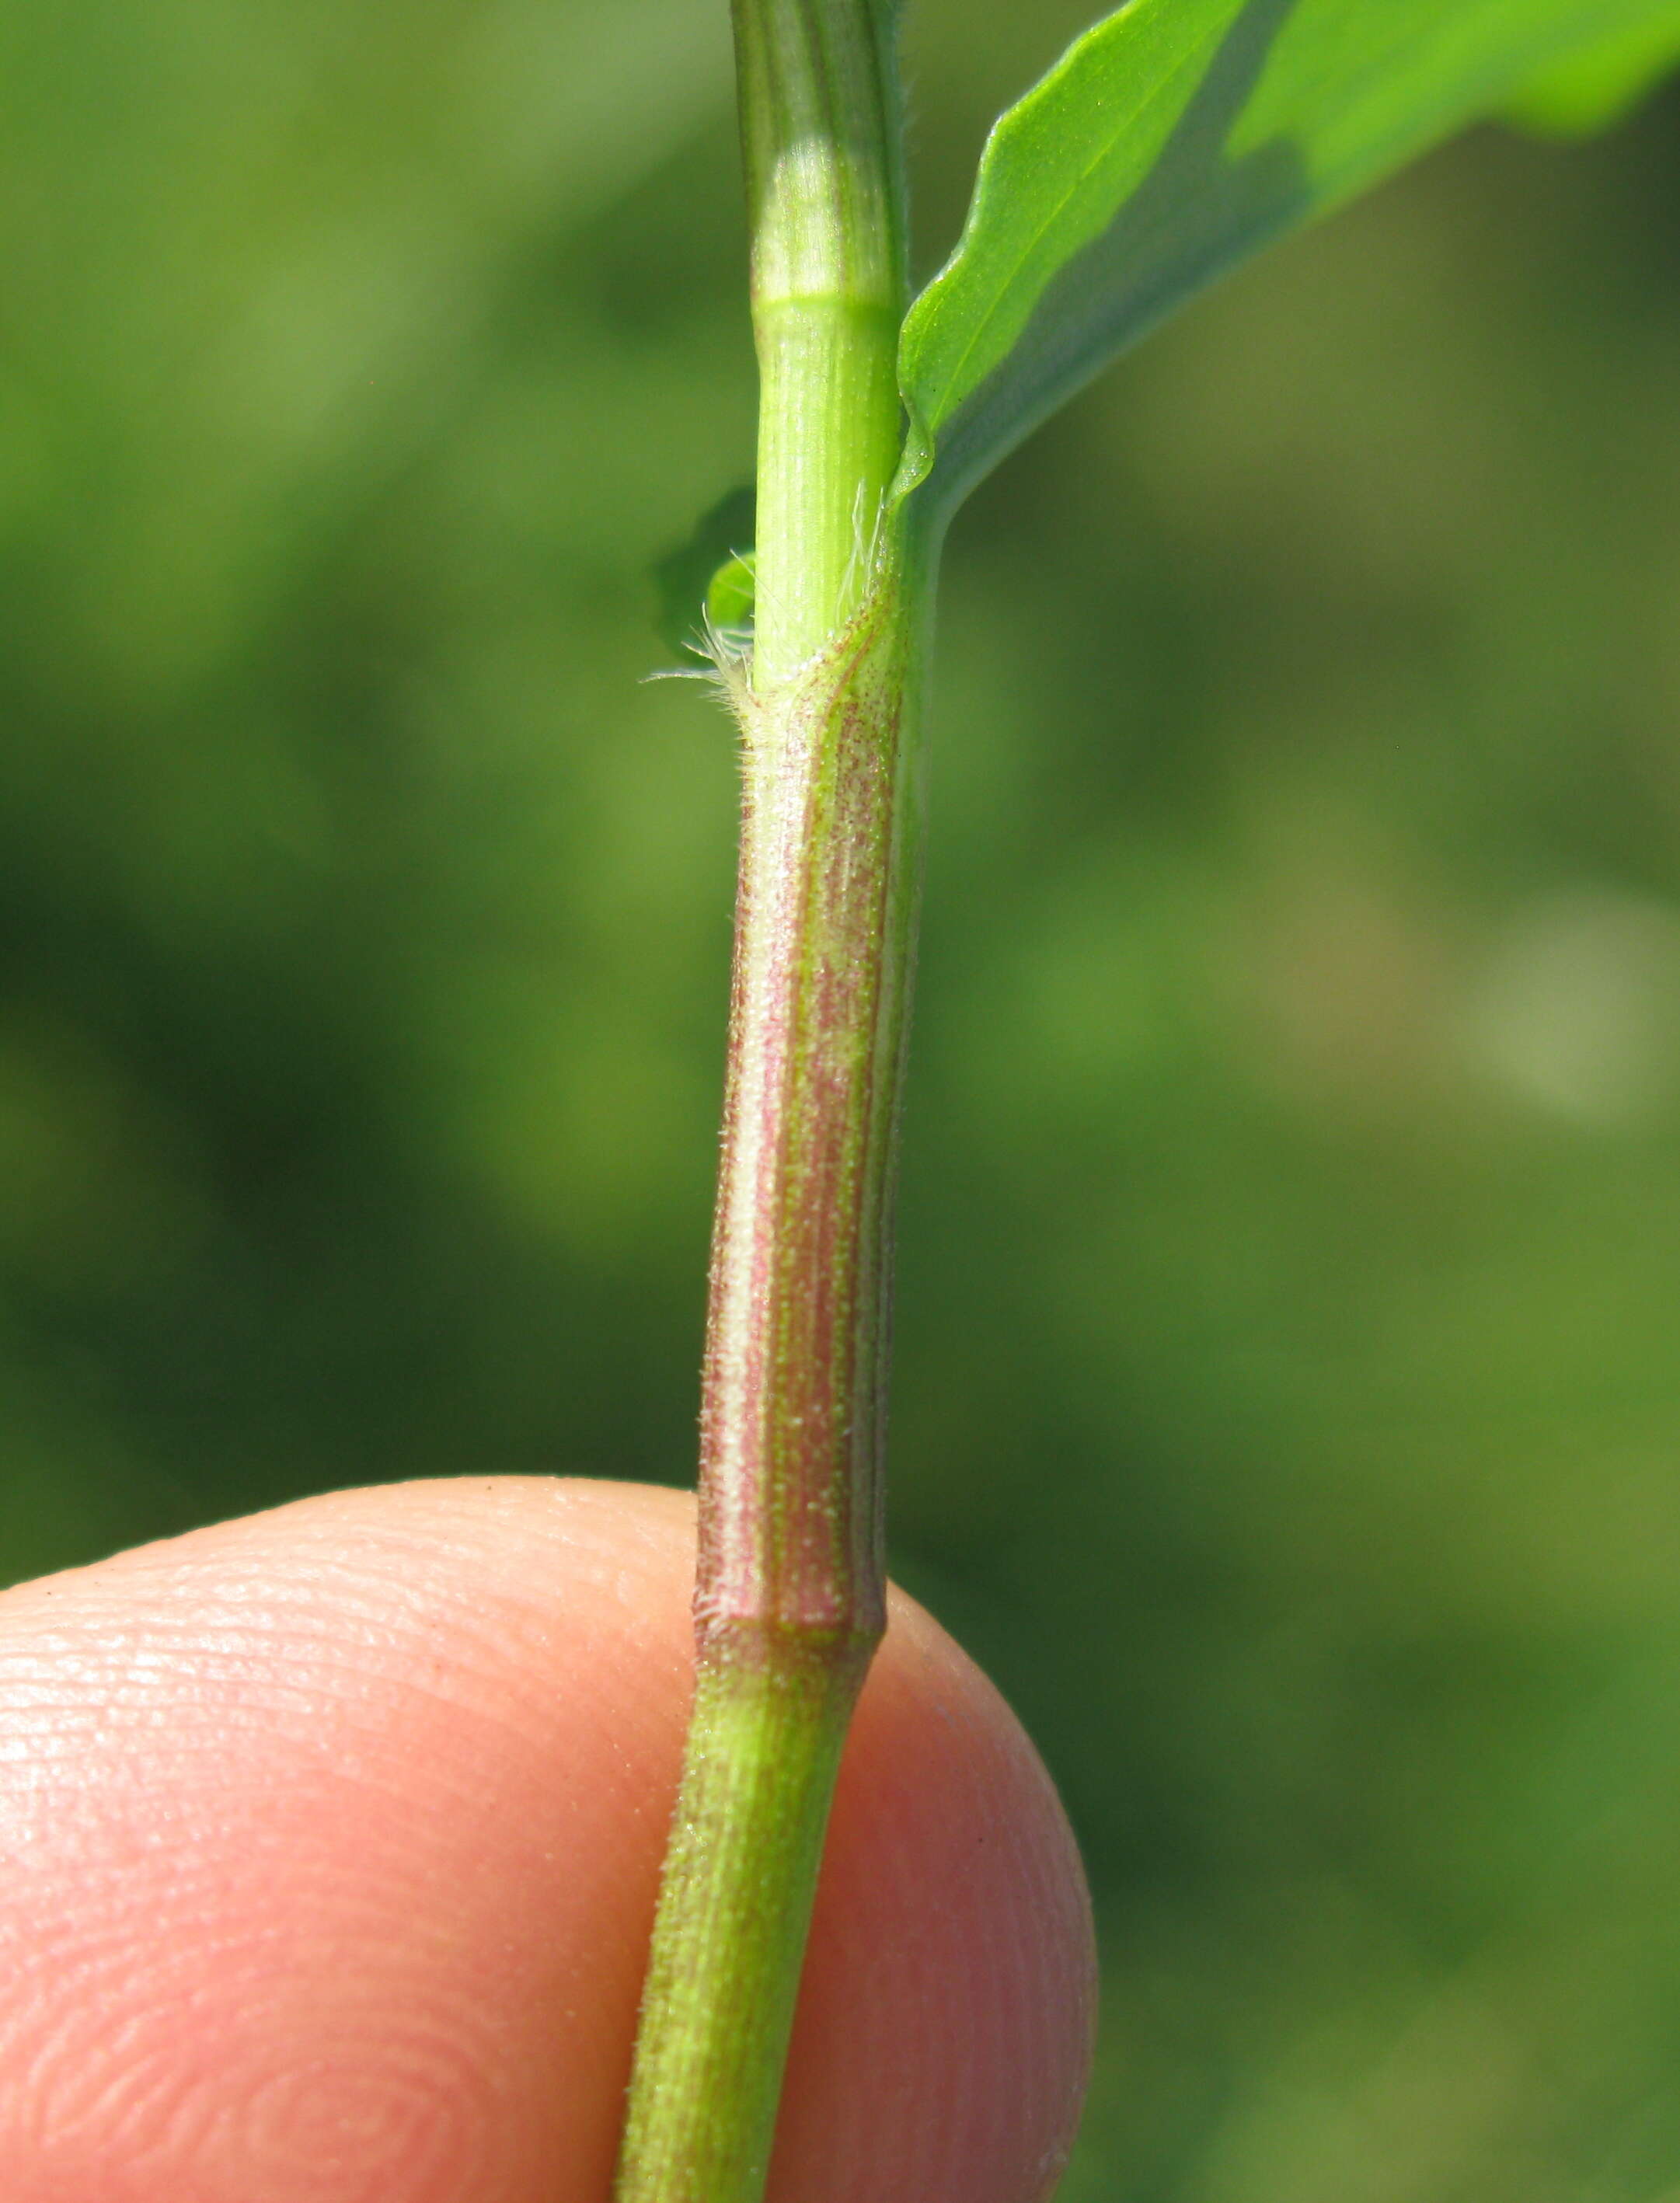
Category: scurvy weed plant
[1174,138]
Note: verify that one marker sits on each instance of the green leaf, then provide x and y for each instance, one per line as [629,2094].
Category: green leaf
[707,582]
[731,595]
[1178,136]
[1596,88]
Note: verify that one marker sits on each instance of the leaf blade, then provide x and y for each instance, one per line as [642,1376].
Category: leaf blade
[1597,88]
[1175,137]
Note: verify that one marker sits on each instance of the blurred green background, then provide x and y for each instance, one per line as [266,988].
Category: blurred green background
[1288,1401]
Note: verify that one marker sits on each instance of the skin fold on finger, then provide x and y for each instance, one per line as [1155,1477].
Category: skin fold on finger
[331,1839]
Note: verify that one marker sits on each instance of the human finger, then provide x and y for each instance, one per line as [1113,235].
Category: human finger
[333,1838]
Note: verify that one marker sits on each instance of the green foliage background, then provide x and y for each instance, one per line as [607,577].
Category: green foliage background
[1288,1403]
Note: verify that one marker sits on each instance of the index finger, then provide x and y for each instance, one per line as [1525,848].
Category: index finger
[333,1840]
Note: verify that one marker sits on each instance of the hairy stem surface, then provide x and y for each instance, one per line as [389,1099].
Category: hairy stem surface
[790,1598]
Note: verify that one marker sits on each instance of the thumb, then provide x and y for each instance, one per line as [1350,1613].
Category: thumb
[332,1837]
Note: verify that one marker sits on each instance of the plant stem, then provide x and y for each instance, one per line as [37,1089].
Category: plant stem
[790,1597]
[821,143]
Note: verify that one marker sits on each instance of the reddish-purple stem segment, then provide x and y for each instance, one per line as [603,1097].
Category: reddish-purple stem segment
[793,1411]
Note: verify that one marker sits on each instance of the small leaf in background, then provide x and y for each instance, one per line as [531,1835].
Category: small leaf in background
[1178,136]
[708,579]
[731,597]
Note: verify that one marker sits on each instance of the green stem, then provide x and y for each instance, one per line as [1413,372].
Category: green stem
[821,143]
[790,1597]
[764,1748]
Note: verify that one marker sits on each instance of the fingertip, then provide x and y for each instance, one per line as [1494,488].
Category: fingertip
[339,1832]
